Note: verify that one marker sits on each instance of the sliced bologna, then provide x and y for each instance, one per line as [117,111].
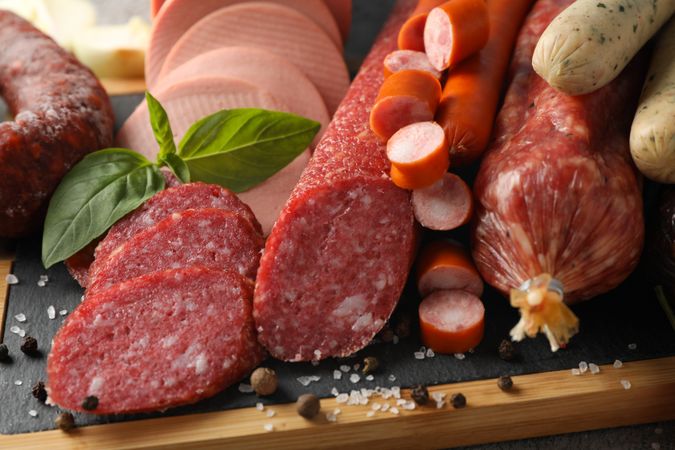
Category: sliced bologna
[262,68]
[408,60]
[451,321]
[208,237]
[338,257]
[444,265]
[278,29]
[342,12]
[177,16]
[161,340]
[445,205]
[188,101]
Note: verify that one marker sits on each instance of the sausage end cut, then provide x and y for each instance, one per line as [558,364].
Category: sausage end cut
[162,340]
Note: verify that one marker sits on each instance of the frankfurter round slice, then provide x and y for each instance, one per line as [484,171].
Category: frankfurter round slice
[446,265]
[278,29]
[445,205]
[408,60]
[451,321]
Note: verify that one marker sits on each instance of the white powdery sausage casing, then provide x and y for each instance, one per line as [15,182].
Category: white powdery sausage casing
[589,43]
[652,137]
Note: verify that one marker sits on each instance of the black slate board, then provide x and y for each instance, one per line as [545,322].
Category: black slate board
[609,324]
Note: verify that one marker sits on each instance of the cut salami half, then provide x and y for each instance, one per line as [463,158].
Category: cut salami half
[177,16]
[208,237]
[275,28]
[161,340]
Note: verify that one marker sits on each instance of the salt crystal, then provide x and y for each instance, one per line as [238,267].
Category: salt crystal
[440,405]
[594,368]
[259,406]
[337,375]
[632,346]
[370,413]
[392,377]
[331,417]
[268,427]
[396,391]
[395,339]
[626,384]
[337,411]
[617,364]
[419,355]
[20,317]
[370,377]
[18,382]
[51,312]
[334,391]
[317,353]
[385,407]
[22,333]
[376,406]
[245,388]
[438,396]
[63,312]
[394,410]
[32,413]
[44,278]
[307,380]
[576,371]
[11,279]
[42,283]
[583,366]
[345,368]
[14,329]
[271,413]
[409,405]
[354,378]
[342,398]
[460,356]
[430,353]
[401,401]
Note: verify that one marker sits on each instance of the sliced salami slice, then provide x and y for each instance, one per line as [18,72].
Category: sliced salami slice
[209,237]
[161,340]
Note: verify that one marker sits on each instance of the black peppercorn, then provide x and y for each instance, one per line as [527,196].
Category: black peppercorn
[29,345]
[308,405]
[458,400]
[4,353]
[65,421]
[39,391]
[505,382]
[90,403]
[370,364]
[506,351]
[420,394]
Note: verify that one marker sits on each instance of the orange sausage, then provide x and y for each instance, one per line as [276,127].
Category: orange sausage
[155,6]
[411,35]
[445,205]
[472,90]
[454,31]
[451,321]
[405,97]
[399,60]
[446,265]
[419,155]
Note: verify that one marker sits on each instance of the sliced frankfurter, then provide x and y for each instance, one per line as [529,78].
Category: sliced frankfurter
[419,153]
[446,265]
[262,68]
[399,60]
[177,16]
[411,35]
[455,30]
[342,12]
[445,205]
[406,97]
[451,321]
[190,100]
[275,28]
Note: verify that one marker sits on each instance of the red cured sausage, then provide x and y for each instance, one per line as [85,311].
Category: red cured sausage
[557,192]
[165,339]
[338,256]
[208,237]
[61,113]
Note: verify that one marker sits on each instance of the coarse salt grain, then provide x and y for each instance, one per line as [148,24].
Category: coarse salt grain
[337,411]
[392,377]
[576,371]
[419,355]
[271,413]
[438,396]
[268,427]
[430,353]
[18,382]
[51,312]
[376,406]
[42,283]
[20,317]
[594,368]
[632,346]
[394,410]
[337,375]
[626,384]
[370,377]
[370,413]
[460,356]
[14,329]
[44,278]
[331,417]
[385,407]
[342,398]
[345,368]
[354,378]
[583,366]
[11,279]
[334,391]
[63,312]
[617,364]
[245,388]
[22,333]
[409,405]
[32,413]
[259,406]
[307,380]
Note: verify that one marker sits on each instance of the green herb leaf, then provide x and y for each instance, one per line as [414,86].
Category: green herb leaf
[97,192]
[240,148]
[177,166]
[161,127]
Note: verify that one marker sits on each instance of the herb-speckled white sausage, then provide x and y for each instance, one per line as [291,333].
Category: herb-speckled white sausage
[652,137]
[590,43]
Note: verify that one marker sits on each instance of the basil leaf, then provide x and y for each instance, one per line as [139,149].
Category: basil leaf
[177,166]
[97,192]
[240,148]
[161,127]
